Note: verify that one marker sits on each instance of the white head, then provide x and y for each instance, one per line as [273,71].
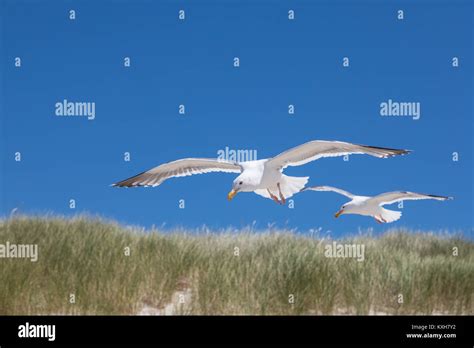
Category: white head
[244,183]
[347,208]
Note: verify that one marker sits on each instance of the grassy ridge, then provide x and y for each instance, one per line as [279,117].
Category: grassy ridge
[86,257]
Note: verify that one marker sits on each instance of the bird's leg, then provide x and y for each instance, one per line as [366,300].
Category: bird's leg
[275,198]
[378,219]
[282,198]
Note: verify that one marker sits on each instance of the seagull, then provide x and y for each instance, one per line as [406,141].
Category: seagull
[264,177]
[373,206]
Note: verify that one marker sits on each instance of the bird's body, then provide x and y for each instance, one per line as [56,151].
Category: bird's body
[373,206]
[265,180]
[264,177]
[362,205]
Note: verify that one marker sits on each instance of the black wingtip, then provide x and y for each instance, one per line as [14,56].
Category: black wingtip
[405,152]
[123,183]
[117,184]
[391,152]
[446,198]
[398,152]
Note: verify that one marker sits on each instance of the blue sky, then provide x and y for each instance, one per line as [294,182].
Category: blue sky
[190,62]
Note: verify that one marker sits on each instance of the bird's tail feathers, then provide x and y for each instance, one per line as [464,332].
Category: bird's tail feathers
[390,215]
[292,184]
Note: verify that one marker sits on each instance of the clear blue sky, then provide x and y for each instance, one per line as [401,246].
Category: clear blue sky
[191,62]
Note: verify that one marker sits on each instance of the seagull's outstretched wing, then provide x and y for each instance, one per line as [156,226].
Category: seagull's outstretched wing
[317,149]
[397,196]
[329,188]
[182,167]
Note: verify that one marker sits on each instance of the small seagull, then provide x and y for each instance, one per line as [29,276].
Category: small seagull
[372,206]
[264,177]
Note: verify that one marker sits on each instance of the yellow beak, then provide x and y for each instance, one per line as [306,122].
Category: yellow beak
[231,194]
[338,213]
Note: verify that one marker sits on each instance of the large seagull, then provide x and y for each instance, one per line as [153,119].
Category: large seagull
[264,177]
[373,206]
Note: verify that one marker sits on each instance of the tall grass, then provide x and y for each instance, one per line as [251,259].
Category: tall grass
[86,257]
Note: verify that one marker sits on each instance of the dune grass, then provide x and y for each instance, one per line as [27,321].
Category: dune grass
[87,257]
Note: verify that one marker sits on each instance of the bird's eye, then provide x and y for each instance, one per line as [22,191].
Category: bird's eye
[240,183]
